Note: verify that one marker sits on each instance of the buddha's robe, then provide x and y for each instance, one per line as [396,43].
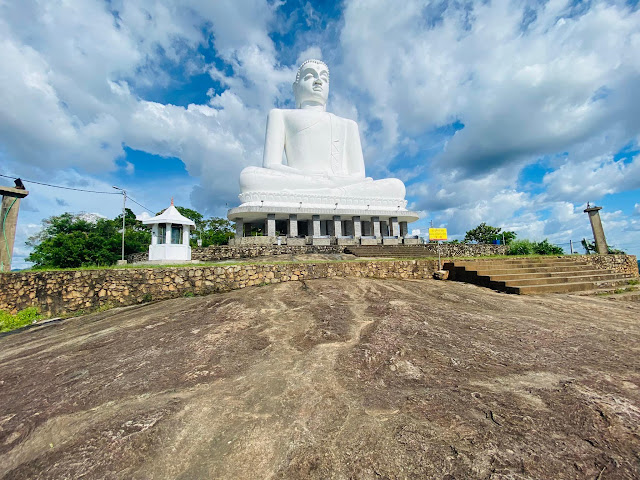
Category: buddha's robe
[324,157]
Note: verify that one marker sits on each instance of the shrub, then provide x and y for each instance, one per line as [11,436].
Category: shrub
[10,322]
[546,248]
[527,247]
[520,247]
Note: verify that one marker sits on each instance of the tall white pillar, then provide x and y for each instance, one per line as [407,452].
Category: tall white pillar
[376,226]
[239,228]
[270,225]
[167,234]
[293,226]
[357,227]
[337,226]
[395,227]
[185,234]
[316,225]
[154,234]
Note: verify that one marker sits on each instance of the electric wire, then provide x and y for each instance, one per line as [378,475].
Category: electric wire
[77,190]
[60,186]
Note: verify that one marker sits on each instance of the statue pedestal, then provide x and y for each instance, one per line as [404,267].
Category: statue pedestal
[342,222]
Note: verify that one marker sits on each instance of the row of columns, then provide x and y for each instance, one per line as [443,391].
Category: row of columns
[354,227]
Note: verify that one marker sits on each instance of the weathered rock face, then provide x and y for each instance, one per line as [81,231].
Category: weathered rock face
[328,379]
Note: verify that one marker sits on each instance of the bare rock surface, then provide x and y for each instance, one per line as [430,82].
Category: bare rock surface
[343,378]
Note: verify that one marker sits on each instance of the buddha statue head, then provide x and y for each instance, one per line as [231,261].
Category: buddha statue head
[311,87]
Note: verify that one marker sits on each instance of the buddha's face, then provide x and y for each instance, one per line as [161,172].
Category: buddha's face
[312,86]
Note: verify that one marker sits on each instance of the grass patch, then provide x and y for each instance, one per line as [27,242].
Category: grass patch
[21,319]
[634,282]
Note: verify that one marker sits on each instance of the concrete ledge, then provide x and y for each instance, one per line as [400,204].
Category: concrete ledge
[411,241]
[347,241]
[390,241]
[255,241]
[296,241]
[369,241]
[321,241]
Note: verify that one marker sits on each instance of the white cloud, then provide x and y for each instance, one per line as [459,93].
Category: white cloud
[520,92]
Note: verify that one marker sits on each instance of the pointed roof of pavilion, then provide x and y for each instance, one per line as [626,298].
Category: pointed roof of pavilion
[170,215]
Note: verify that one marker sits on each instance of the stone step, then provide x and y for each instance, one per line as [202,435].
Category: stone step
[526,269]
[526,276]
[562,288]
[558,280]
[517,262]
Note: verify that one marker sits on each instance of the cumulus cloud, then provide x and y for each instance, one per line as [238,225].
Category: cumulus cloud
[524,79]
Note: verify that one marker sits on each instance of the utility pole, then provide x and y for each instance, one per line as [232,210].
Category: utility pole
[124,211]
[596,227]
[9,218]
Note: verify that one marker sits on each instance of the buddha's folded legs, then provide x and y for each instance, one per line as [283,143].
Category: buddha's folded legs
[257,179]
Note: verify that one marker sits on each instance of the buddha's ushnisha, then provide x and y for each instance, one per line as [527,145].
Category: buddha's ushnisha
[323,151]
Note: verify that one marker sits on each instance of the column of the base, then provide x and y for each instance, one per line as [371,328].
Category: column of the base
[239,228]
[337,226]
[293,226]
[404,229]
[316,225]
[270,225]
[376,226]
[395,227]
[186,231]
[357,227]
[384,228]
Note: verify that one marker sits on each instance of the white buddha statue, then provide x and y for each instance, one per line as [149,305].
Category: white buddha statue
[323,152]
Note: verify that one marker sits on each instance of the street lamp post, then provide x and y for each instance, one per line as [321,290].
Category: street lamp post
[124,203]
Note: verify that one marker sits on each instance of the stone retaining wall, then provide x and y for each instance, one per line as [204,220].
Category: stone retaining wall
[627,264]
[446,249]
[226,252]
[62,292]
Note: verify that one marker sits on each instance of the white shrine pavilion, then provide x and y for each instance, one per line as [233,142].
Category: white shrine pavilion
[170,236]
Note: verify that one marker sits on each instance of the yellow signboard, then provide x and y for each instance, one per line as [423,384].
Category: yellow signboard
[437,234]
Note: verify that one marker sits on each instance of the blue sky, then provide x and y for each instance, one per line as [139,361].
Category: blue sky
[514,113]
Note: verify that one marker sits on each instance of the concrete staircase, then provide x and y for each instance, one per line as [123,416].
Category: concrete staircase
[527,276]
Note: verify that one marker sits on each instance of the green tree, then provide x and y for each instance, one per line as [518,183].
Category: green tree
[68,240]
[217,231]
[484,233]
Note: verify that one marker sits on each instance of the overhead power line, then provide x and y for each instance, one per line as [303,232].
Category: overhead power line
[147,209]
[76,189]
[60,186]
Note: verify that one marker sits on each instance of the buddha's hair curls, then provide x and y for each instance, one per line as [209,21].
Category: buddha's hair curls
[312,60]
